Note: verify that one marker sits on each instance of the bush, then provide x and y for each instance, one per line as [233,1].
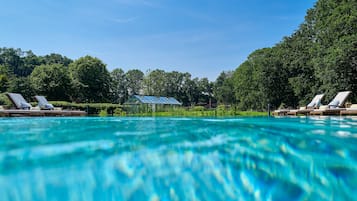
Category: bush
[198,108]
[119,112]
[103,113]
[4,100]
[221,108]
[91,108]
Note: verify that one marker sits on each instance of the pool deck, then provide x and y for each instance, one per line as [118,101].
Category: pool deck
[328,112]
[349,112]
[40,113]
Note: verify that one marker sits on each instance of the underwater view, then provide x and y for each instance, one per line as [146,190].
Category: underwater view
[129,158]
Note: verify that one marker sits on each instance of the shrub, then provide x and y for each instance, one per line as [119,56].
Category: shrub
[198,108]
[91,108]
[221,108]
[4,100]
[119,112]
[103,113]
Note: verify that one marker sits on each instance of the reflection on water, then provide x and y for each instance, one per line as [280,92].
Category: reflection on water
[298,158]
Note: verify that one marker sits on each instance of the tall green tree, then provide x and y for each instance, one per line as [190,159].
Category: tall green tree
[23,86]
[155,83]
[91,79]
[320,57]
[28,62]
[335,28]
[205,91]
[223,88]
[52,81]
[11,58]
[4,78]
[134,80]
[118,86]
[56,59]
[174,84]
[247,87]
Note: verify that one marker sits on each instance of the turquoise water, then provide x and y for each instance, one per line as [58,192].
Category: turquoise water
[90,158]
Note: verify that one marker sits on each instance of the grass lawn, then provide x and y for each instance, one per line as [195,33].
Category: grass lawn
[108,109]
[204,113]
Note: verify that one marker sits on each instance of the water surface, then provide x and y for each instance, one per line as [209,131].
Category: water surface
[90,158]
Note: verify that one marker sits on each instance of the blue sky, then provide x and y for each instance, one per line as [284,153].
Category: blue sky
[202,37]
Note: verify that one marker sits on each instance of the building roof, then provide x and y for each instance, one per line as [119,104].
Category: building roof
[137,99]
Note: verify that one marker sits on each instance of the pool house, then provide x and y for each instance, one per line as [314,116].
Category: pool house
[139,103]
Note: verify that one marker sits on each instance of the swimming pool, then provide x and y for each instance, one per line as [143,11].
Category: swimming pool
[92,158]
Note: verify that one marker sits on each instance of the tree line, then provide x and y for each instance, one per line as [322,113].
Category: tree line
[319,57]
[88,80]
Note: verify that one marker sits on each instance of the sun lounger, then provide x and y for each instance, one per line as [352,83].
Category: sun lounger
[18,101]
[56,111]
[23,108]
[43,103]
[350,111]
[335,106]
[314,104]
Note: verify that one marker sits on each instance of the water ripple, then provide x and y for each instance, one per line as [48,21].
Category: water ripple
[298,158]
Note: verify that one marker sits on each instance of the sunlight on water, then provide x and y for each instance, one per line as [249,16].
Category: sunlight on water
[298,158]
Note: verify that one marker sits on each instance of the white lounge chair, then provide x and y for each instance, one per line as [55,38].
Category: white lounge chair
[335,106]
[19,101]
[43,103]
[50,110]
[314,104]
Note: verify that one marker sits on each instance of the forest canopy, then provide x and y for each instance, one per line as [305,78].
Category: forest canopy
[87,79]
[319,57]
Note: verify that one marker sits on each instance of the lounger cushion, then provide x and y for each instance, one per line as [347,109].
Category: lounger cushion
[48,106]
[25,105]
[314,104]
[318,103]
[334,104]
[43,103]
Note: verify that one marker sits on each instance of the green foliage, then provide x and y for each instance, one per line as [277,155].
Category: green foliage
[87,80]
[11,58]
[90,79]
[4,100]
[4,79]
[134,79]
[174,84]
[204,91]
[335,48]
[56,59]
[23,86]
[91,108]
[118,86]
[190,112]
[320,57]
[178,85]
[223,88]
[247,87]
[119,112]
[52,80]
[103,113]
[155,83]
[198,108]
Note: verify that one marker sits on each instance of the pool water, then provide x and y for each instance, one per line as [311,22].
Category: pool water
[93,158]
